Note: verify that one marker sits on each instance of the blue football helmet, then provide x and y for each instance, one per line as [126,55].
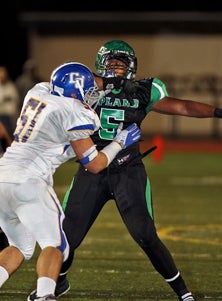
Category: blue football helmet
[74,80]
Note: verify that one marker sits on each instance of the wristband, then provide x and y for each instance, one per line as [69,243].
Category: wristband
[218,113]
[111,151]
[89,155]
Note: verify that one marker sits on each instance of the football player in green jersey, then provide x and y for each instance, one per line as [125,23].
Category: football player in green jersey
[125,180]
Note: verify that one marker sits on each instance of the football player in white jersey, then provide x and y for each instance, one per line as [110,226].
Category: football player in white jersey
[55,124]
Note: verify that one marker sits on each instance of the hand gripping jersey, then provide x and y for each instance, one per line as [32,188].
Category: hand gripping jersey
[43,133]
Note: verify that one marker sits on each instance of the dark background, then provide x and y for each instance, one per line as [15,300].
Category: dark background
[14,31]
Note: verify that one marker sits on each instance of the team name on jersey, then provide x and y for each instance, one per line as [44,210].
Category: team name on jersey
[117,102]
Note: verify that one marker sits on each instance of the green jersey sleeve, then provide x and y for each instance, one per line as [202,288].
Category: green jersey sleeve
[158,91]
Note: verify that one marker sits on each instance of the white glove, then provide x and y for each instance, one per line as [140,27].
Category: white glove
[128,136]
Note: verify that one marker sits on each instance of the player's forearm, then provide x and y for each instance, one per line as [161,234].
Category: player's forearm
[95,161]
[199,110]
[173,106]
[103,158]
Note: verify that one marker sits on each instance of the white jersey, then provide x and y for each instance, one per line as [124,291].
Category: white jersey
[30,210]
[44,130]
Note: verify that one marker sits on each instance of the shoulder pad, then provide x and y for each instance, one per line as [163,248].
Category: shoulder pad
[144,87]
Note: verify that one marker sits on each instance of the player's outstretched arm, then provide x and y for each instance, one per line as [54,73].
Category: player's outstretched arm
[94,160]
[182,107]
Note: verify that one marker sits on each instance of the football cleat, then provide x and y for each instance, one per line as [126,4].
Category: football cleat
[61,288]
[46,298]
[187,297]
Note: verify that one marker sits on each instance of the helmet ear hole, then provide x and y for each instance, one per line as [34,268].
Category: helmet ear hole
[120,50]
[74,95]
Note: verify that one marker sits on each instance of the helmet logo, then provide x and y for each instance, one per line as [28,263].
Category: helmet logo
[76,79]
[102,50]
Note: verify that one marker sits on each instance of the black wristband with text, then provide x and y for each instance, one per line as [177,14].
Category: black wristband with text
[218,113]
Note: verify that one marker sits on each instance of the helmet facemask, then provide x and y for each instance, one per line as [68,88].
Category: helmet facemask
[104,67]
[92,96]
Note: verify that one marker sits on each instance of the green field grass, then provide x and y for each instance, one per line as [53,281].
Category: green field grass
[187,196]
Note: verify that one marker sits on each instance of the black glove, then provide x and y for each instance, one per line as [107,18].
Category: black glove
[110,83]
[218,113]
